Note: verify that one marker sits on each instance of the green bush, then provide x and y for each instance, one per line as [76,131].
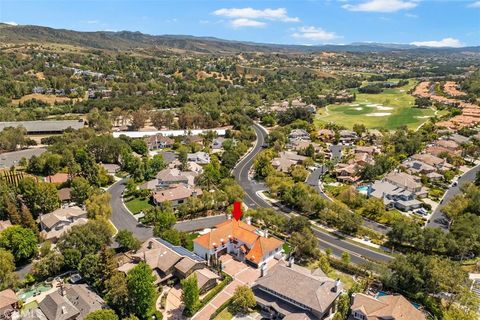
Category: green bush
[220,309]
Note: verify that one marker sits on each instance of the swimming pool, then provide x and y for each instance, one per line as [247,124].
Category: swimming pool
[363,189]
[35,290]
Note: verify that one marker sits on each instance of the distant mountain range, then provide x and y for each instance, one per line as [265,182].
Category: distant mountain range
[127,40]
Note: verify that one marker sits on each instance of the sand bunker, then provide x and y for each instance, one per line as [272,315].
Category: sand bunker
[354,105]
[384,108]
[378,114]
[358,108]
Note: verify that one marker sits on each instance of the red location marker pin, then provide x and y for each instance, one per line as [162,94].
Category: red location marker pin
[237,210]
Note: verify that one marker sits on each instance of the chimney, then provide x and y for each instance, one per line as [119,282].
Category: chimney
[265,233]
[336,288]
[64,310]
[150,244]
[249,220]
[291,261]
[263,270]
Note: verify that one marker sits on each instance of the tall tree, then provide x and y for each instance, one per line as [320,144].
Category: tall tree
[190,294]
[141,290]
[8,277]
[21,242]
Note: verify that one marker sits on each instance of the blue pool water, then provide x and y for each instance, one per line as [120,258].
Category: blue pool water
[362,188]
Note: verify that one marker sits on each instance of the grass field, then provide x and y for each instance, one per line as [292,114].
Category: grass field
[135,205]
[390,109]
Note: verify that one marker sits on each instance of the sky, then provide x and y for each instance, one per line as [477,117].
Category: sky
[435,23]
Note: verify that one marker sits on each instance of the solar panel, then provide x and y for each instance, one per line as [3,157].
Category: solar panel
[180,250]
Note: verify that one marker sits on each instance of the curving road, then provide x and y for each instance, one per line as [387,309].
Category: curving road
[122,218]
[358,254]
[438,219]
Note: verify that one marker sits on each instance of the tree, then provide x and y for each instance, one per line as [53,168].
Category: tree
[21,242]
[39,197]
[127,240]
[117,293]
[98,206]
[139,118]
[243,300]
[345,257]
[305,245]
[141,290]
[190,294]
[80,190]
[102,315]
[48,266]
[88,238]
[8,277]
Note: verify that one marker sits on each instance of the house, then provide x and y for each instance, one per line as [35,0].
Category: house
[217,143]
[347,173]
[240,239]
[55,223]
[286,159]
[64,195]
[347,136]
[288,291]
[193,139]
[199,157]
[8,303]
[58,178]
[298,134]
[457,138]
[176,194]
[419,167]
[395,307]
[168,261]
[159,141]
[394,196]
[430,159]
[167,177]
[111,168]
[405,180]
[71,302]
[325,134]
[371,150]
[447,144]
[362,159]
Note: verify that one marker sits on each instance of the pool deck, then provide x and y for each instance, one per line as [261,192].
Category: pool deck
[42,295]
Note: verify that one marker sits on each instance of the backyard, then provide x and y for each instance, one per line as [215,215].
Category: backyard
[390,109]
[135,205]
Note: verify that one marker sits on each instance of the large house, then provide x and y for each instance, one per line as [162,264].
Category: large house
[288,291]
[394,307]
[159,141]
[406,181]
[240,239]
[170,176]
[439,163]
[286,159]
[176,194]
[298,134]
[55,223]
[71,302]
[168,261]
[394,196]
[199,157]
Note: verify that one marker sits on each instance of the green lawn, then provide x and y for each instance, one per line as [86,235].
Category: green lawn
[390,109]
[224,315]
[135,205]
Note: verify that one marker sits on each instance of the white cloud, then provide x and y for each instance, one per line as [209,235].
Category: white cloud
[475,4]
[314,34]
[242,22]
[382,5]
[12,23]
[249,17]
[91,21]
[446,42]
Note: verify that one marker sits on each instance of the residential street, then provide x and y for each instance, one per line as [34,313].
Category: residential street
[338,245]
[437,216]
[123,219]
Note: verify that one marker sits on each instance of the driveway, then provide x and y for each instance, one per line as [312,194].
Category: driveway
[173,305]
[241,273]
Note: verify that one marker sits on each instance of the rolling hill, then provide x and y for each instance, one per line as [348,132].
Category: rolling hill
[127,40]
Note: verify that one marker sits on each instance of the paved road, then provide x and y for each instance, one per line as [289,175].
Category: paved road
[314,179]
[437,216]
[338,245]
[123,219]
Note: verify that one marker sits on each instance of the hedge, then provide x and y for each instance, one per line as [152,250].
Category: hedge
[212,293]
[221,308]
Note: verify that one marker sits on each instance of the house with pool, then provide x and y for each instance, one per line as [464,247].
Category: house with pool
[240,239]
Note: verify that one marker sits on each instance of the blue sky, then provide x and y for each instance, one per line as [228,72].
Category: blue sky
[423,22]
